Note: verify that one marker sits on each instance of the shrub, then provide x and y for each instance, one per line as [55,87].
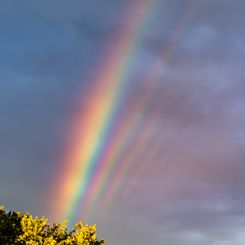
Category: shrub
[19,228]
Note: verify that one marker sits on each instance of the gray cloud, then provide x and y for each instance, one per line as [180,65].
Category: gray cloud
[192,189]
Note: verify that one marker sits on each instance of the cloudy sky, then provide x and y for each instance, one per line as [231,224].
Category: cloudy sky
[185,184]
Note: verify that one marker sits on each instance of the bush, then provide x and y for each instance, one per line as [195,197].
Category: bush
[18,228]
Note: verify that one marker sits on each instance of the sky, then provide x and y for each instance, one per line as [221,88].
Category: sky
[160,86]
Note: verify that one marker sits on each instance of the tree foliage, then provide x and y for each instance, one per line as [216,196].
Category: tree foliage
[19,228]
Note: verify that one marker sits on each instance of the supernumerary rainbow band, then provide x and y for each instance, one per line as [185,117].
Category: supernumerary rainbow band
[108,142]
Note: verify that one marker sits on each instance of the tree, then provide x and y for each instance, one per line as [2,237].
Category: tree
[18,228]
[10,228]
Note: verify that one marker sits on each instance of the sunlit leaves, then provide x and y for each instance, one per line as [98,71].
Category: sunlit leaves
[18,228]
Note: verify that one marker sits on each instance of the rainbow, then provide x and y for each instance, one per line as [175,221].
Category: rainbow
[99,141]
[95,119]
[139,148]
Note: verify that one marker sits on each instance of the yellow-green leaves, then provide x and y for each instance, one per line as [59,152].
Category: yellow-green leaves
[18,228]
[1,208]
